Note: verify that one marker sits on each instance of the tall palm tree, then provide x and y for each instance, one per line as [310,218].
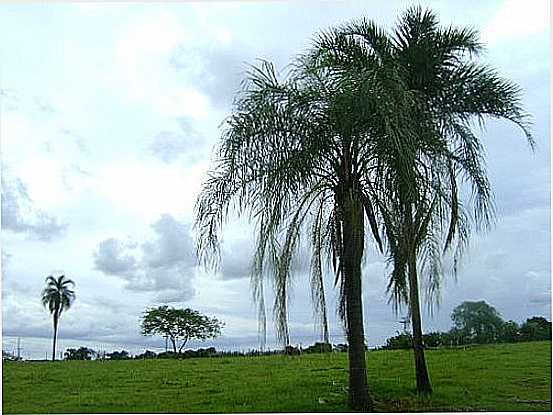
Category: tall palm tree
[423,214]
[58,297]
[455,92]
[296,159]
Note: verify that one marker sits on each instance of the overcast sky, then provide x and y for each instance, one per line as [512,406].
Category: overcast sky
[109,115]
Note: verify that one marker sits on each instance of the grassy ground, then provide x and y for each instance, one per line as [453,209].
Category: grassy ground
[506,377]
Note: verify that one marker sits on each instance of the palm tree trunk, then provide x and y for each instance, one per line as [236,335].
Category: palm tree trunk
[353,244]
[421,372]
[56,318]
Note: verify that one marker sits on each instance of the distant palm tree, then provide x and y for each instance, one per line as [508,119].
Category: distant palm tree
[57,297]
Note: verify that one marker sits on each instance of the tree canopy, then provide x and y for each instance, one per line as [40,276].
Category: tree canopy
[478,320]
[179,325]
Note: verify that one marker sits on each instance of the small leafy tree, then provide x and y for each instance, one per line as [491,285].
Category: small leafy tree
[179,325]
[477,320]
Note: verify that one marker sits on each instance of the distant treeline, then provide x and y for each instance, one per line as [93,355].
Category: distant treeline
[84,353]
[534,329]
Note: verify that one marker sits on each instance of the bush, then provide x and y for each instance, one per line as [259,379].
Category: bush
[292,351]
[510,332]
[401,341]
[9,356]
[82,353]
[342,347]
[535,328]
[122,355]
[148,354]
[167,355]
[319,347]
[209,352]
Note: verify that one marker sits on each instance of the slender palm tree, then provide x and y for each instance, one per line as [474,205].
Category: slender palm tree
[58,297]
[455,92]
[419,198]
[297,156]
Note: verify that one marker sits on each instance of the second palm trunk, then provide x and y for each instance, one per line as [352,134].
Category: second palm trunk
[421,372]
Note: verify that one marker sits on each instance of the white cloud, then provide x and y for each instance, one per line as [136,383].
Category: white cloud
[20,214]
[164,265]
[148,189]
[223,36]
[50,159]
[517,19]
[184,100]
[172,145]
[44,176]
[143,54]
[113,258]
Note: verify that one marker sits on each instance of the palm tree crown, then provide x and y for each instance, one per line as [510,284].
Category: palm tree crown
[57,295]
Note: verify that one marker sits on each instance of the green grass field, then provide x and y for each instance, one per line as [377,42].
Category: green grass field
[506,377]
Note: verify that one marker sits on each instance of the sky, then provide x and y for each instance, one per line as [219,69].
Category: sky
[109,114]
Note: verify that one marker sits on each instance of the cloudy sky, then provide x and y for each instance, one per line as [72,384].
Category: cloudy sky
[109,115]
